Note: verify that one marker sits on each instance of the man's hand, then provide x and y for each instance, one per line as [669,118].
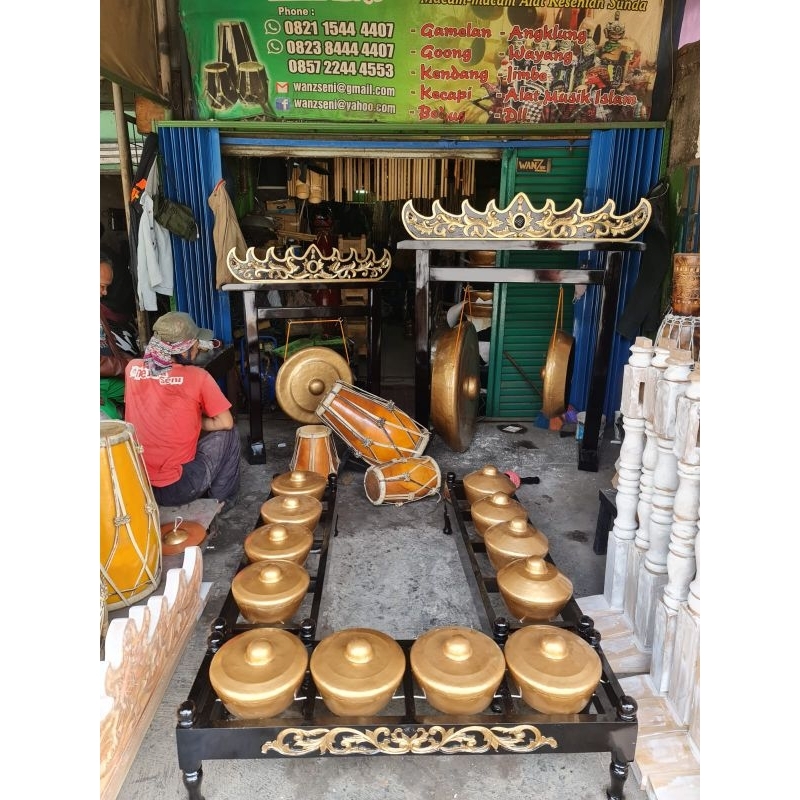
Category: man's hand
[222,422]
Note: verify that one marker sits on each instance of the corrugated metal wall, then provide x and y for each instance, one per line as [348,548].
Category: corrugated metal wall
[191,168]
[528,311]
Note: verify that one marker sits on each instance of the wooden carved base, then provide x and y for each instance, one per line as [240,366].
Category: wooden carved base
[141,653]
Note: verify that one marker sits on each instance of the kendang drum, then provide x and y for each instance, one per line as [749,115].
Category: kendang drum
[402,481]
[314,450]
[374,428]
[680,332]
[130,533]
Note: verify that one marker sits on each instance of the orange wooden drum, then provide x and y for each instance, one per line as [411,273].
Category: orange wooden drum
[314,451]
[374,428]
[130,533]
[402,481]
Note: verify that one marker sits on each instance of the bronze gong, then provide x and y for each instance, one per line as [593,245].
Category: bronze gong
[306,377]
[556,370]
[455,385]
[555,374]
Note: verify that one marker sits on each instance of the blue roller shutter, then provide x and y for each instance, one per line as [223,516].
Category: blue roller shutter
[192,167]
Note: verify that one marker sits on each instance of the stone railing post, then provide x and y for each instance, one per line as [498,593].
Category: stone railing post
[629,469]
[653,577]
[649,459]
[681,551]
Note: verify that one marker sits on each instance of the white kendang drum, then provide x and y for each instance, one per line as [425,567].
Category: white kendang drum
[374,428]
[130,530]
[402,481]
[314,450]
[681,332]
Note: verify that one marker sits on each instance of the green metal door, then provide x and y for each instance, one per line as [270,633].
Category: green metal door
[526,313]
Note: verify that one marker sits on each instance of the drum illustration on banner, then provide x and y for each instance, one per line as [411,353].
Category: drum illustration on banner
[219,89]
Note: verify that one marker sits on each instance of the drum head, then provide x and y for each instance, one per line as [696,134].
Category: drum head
[305,378]
[455,386]
[556,374]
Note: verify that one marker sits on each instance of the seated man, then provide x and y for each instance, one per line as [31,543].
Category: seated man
[117,347]
[182,419]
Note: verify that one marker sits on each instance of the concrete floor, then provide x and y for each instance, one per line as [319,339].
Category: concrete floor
[393,569]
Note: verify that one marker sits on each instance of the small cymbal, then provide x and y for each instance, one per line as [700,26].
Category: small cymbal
[176,538]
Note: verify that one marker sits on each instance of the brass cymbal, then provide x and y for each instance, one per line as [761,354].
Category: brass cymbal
[555,374]
[306,377]
[177,536]
[455,385]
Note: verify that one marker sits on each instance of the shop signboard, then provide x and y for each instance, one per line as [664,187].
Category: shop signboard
[428,61]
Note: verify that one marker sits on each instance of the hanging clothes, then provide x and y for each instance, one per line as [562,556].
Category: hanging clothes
[226,234]
[154,267]
[146,161]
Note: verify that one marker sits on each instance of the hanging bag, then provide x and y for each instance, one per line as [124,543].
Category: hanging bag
[175,217]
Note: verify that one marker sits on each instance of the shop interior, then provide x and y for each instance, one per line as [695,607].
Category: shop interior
[338,203]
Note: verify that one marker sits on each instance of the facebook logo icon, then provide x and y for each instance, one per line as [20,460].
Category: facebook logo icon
[283,103]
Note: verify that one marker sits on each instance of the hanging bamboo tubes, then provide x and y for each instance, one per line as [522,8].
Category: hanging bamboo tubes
[392,179]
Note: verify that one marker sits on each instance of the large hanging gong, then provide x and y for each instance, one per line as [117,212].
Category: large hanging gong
[556,370]
[306,377]
[455,385]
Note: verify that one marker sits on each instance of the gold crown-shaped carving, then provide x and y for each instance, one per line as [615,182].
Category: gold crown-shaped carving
[520,220]
[301,267]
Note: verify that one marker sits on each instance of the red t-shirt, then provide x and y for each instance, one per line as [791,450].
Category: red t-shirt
[166,412]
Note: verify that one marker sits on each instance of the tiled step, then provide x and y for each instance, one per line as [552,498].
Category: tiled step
[673,787]
[617,638]
[667,764]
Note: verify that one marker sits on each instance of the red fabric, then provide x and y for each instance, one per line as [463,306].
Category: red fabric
[166,412]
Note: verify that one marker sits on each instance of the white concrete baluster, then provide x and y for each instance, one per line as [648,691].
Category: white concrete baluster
[649,458]
[629,469]
[694,586]
[665,482]
[690,715]
[681,554]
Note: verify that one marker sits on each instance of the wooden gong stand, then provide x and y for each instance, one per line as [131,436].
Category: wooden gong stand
[608,278]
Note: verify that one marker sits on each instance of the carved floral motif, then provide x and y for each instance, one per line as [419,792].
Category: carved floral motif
[520,220]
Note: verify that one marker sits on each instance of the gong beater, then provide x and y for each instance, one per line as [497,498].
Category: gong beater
[306,377]
[455,385]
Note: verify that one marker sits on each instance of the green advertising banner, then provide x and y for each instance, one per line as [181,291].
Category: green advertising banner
[431,61]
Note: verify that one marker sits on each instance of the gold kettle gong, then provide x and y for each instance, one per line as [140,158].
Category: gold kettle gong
[455,385]
[555,373]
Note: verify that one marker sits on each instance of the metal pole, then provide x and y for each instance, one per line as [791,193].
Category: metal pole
[126,174]
[125,163]
[162,37]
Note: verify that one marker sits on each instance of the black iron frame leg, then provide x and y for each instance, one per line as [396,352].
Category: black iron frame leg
[192,781]
[619,772]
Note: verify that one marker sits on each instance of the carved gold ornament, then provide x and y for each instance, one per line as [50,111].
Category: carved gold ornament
[311,265]
[520,220]
[436,739]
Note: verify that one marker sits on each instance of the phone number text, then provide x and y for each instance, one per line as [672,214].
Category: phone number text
[312,66]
